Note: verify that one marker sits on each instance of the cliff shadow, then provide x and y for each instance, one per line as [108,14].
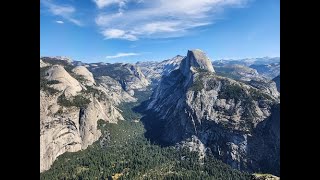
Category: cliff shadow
[264,144]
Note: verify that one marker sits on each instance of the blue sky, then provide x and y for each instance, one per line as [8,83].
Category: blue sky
[143,30]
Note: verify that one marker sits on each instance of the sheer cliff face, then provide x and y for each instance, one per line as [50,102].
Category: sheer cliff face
[223,114]
[71,103]
[277,81]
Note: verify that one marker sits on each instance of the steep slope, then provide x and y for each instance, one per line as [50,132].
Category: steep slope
[71,103]
[85,74]
[266,86]
[237,72]
[155,70]
[65,82]
[210,113]
[277,81]
[267,70]
[129,76]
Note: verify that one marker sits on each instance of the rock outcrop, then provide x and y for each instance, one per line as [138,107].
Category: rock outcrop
[155,70]
[114,89]
[85,74]
[69,111]
[238,72]
[43,64]
[266,86]
[195,59]
[136,81]
[277,81]
[223,114]
[264,177]
[267,70]
[66,82]
[129,76]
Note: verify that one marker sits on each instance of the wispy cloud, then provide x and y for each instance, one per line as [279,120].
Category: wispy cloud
[120,3]
[118,34]
[59,22]
[65,11]
[122,55]
[103,3]
[158,18]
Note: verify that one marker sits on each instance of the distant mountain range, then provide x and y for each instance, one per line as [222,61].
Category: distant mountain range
[249,68]
[247,61]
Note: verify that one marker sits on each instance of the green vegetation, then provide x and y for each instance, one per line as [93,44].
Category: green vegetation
[51,60]
[226,72]
[54,61]
[96,93]
[197,85]
[77,101]
[66,65]
[53,82]
[257,95]
[128,113]
[198,81]
[59,112]
[232,91]
[127,109]
[129,155]
[79,78]
[44,83]
[116,71]
[200,70]
[236,92]
[123,152]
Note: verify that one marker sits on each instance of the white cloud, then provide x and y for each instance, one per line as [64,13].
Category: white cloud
[64,11]
[160,18]
[122,55]
[61,10]
[104,3]
[118,34]
[120,3]
[59,22]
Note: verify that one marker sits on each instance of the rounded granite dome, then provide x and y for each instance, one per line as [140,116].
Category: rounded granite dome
[198,59]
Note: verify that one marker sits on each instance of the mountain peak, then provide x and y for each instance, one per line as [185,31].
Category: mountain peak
[198,59]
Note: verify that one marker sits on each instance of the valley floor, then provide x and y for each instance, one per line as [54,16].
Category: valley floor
[123,152]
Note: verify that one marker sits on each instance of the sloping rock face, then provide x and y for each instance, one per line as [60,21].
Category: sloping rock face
[195,59]
[114,89]
[86,75]
[266,86]
[268,70]
[277,81]
[67,83]
[155,70]
[57,134]
[43,64]
[237,72]
[129,76]
[223,114]
[136,81]
[69,110]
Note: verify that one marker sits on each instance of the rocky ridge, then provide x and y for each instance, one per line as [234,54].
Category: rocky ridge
[129,76]
[155,70]
[225,115]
